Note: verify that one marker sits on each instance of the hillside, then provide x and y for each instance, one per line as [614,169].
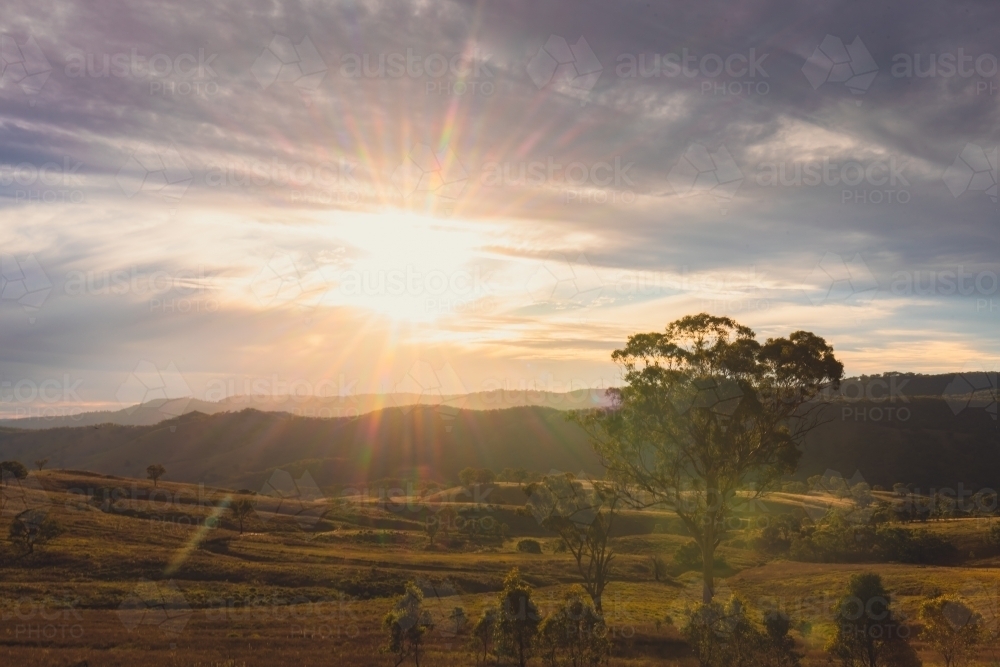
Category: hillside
[241,448]
[933,447]
[901,438]
[153,412]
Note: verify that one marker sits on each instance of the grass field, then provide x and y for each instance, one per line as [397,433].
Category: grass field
[163,577]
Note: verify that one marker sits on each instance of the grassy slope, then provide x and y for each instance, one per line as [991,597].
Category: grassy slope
[338,572]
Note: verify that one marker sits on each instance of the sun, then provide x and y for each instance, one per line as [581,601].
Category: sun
[408,267]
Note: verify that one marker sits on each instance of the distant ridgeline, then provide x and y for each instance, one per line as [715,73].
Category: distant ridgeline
[931,431]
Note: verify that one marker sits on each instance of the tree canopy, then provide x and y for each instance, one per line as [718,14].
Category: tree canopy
[705,411]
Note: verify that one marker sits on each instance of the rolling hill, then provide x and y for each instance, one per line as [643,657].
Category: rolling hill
[242,448]
[905,432]
[155,411]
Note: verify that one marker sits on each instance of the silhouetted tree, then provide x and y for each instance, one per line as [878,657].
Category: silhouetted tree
[951,628]
[33,528]
[868,633]
[574,634]
[582,517]
[707,411]
[12,469]
[155,472]
[406,624]
[485,630]
[517,620]
[240,510]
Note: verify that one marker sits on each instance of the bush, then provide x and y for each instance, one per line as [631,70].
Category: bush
[406,624]
[529,546]
[724,635]
[473,476]
[484,632]
[32,528]
[659,567]
[574,635]
[993,534]
[12,470]
[776,537]
[867,631]
[517,620]
[951,628]
[688,557]
[837,539]
[800,488]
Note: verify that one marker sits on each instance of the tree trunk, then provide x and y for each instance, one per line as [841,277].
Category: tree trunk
[708,561]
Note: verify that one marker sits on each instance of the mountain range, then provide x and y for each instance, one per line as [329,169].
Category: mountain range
[885,429]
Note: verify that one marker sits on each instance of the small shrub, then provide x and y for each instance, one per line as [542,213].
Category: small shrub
[800,488]
[33,528]
[529,546]
[688,557]
[993,534]
[484,630]
[574,634]
[659,568]
[724,635]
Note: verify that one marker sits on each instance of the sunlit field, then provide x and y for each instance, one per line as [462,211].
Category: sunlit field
[168,581]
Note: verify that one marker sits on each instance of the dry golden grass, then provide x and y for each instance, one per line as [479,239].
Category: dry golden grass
[281,594]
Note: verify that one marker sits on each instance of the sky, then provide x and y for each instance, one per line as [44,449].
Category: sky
[442,196]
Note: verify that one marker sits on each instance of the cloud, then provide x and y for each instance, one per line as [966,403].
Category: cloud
[192,150]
